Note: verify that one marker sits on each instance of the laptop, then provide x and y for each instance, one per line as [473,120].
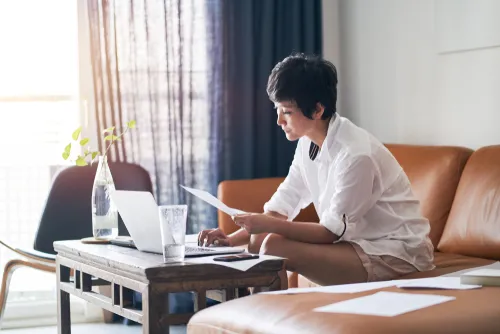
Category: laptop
[139,213]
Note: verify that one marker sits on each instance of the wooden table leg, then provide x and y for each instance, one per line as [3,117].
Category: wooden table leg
[275,285]
[228,294]
[242,292]
[200,300]
[63,306]
[154,310]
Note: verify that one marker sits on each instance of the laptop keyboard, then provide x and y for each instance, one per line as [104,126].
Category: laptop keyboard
[190,249]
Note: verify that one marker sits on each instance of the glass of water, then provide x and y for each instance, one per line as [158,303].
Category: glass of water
[173,231]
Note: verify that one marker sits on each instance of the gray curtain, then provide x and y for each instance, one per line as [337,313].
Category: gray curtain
[252,36]
[149,61]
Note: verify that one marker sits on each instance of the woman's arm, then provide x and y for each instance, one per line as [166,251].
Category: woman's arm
[242,237]
[298,231]
[292,194]
[313,233]
[239,238]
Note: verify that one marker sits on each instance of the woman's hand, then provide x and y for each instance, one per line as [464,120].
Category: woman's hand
[256,223]
[213,237]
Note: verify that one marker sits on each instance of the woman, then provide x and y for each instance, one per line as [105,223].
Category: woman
[370,227]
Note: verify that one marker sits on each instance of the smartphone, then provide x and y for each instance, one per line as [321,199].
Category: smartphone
[238,257]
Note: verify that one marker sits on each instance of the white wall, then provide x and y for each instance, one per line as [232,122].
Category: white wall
[331,38]
[395,84]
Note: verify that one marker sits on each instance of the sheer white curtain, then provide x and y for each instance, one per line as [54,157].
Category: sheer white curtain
[150,64]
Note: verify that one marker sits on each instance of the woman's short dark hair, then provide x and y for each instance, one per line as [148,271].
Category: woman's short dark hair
[305,80]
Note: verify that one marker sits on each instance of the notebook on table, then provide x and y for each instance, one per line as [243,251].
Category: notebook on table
[485,277]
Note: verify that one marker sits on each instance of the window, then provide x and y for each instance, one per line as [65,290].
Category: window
[45,89]
[39,108]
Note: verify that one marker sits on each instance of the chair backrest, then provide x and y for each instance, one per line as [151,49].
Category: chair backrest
[67,213]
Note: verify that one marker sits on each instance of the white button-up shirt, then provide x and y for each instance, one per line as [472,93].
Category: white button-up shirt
[356,176]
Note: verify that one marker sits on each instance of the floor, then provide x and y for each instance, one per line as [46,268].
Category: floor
[92,328]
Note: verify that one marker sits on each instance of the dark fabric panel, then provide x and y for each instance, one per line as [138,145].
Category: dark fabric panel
[256,35]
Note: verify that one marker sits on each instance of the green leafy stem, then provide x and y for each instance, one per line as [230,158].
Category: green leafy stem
[109,135]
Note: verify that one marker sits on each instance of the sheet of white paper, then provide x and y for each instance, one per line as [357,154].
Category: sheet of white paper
[212,200]
[385,304]
[344,288]
[448,283]
[239,265]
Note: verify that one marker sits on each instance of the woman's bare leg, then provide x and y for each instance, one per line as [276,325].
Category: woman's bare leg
[323,264]
[254,247]
[256,241]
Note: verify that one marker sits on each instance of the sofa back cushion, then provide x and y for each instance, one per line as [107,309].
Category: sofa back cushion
[473,228]
[434,173]
[250,196]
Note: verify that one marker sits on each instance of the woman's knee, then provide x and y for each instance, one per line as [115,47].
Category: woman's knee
[278,245]
[272,245]
[256,242]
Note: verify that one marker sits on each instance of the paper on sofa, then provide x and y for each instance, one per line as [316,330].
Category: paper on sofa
[342,288]
[443,283]
[385,304]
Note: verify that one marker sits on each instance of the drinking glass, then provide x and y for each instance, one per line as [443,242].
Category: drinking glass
[173,231]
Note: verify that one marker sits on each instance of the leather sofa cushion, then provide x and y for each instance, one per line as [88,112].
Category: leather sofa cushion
[445,264]
[293,313]
[473,311]
[473,227]
[434,173]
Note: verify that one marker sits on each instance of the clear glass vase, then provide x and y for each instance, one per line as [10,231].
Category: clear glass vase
[104,212]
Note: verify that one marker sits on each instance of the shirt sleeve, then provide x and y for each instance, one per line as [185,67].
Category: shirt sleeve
[292,194]
[356,190]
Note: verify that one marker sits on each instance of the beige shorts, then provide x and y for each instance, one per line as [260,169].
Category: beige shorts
[383,267]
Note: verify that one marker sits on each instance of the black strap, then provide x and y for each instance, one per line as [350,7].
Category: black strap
[345,225]
[313,151]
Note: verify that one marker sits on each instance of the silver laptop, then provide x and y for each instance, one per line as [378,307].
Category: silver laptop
[139,213]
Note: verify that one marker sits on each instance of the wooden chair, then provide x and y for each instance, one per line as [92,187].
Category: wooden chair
[67,216]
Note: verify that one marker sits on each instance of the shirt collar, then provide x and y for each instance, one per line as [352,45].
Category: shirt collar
[324,154]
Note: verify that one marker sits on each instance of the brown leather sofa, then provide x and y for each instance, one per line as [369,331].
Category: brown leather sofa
[459,190]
